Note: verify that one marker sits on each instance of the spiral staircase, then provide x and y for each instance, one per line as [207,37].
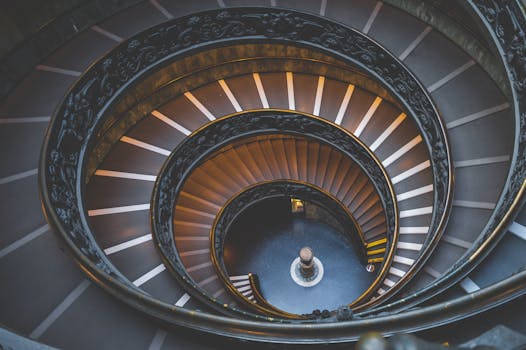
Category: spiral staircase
[134,145]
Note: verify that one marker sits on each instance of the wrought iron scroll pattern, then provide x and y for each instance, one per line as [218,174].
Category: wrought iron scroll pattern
[274,189]
[78,123]
[277,189]
[82,109]
[507,22]
[197,148]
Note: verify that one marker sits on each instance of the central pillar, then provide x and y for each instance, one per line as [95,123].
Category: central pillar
[306,270]
[306,262]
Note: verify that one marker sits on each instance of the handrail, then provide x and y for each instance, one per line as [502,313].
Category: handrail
[204,142]
[260,299]
[505,21]
[455,28]
[272,189]
[250,195]
[75,125]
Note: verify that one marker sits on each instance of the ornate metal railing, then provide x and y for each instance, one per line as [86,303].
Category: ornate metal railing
[83,117]
[505,21]
[260,299]
[203,143]
[293,189]
[237,205]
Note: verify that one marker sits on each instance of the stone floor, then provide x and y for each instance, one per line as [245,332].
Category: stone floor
[268,249]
